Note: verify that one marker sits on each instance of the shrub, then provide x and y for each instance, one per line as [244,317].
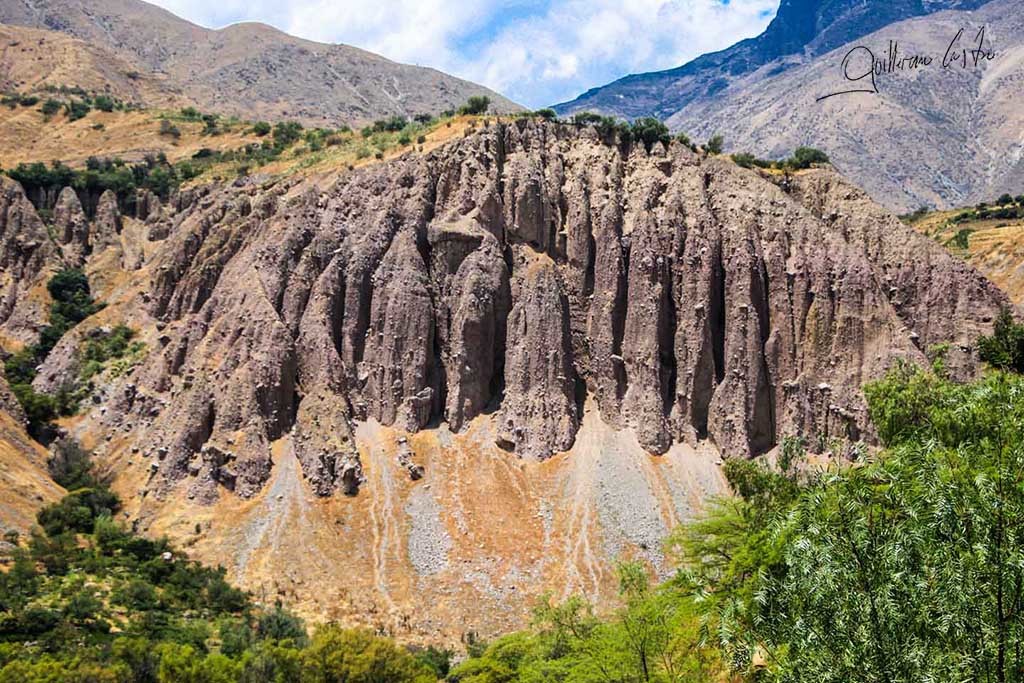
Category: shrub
[28,100]
[804,157]
[71,465]
[438,660]
[586,118]
[715,144]
[103,103]
[546,114]
[191,114]
[392,124]
[76,109]
[280,624]
[744,159]
[287,133]
[358,656]
[210,124]
[169,129]
[915,215]
[261,128]
[137,594]
[477,104]
[961,239]
[649,131]
[1004,199]
[50,107]
[39,408]
[78,511]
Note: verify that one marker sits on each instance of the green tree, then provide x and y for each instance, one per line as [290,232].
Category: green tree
[805,157]
[50,107]
[287,133]
[475,105]
[908,568]
[649,131]
[1004,348]
[358,656]
[280,624]
[715,144]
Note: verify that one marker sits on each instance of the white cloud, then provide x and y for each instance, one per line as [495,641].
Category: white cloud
[535,51]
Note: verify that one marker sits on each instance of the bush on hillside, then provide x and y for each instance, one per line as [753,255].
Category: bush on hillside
[649,131]
[715,144]
[476,105]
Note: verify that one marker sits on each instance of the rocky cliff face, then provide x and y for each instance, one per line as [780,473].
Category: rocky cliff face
[529,288]
[521,270]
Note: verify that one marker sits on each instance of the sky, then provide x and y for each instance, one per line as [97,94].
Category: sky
[536,52]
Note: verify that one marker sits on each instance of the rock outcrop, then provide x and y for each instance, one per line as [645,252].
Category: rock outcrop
[26,253]
[519,271]
[71,228]
[106,230]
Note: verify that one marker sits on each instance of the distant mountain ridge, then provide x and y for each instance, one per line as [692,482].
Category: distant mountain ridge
[801,29]
[932,136]
[252,70]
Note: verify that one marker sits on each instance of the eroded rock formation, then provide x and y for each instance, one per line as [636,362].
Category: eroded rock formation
[518,270]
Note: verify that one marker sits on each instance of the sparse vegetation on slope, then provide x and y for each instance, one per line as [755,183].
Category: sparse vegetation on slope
[87,600]
[988,235]
[803,157]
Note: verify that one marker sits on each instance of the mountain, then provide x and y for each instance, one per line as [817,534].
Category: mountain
[34,60]
[251,70]
[932,136]
[801,30]
[418,393]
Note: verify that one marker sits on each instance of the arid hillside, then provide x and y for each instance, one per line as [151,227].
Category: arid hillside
[32,60]
[417,392]
[248,70]
[994,244]
[24,480]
